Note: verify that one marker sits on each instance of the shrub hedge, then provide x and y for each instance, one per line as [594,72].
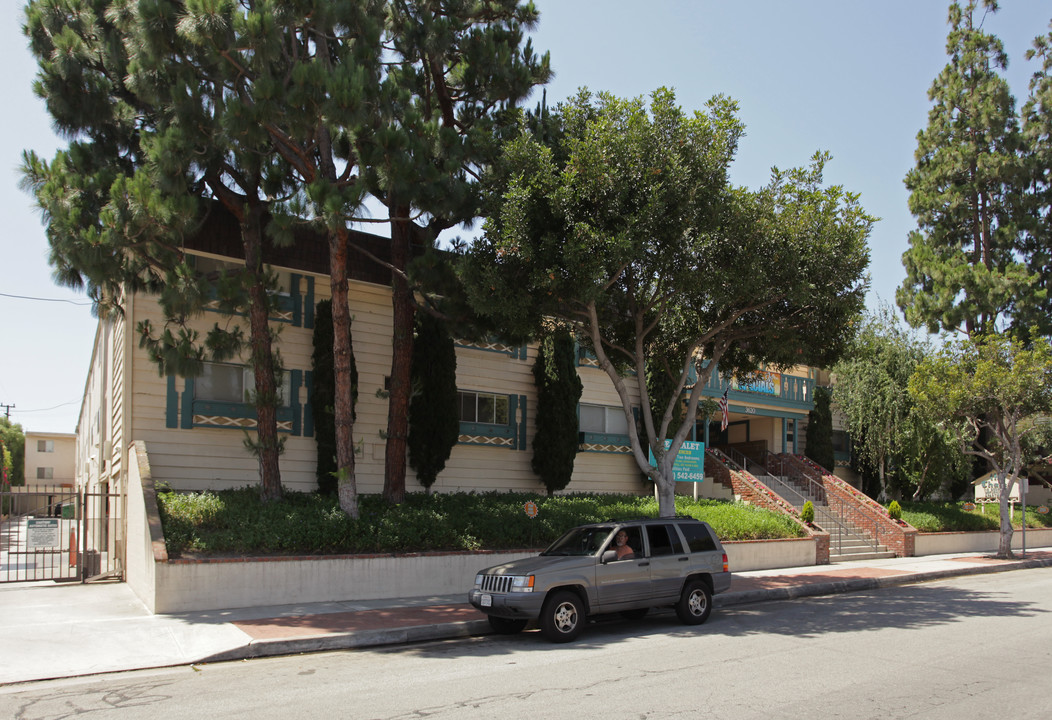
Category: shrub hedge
[236,522]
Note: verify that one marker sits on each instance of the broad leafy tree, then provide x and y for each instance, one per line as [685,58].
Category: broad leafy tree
[902,448]
[559,390]
[630,231]
[434,418]
[13,441]
[990,393]
[963,268]
[452,69]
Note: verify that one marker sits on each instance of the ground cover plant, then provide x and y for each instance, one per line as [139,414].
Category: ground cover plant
[952,517]
[236,522]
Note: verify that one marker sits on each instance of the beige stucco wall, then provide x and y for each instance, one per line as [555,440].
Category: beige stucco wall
[60,459]
[202,458]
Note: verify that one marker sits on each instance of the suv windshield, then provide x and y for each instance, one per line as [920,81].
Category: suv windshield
[580,541]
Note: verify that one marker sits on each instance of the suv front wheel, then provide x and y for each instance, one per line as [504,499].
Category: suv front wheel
[695,603]
[563,617]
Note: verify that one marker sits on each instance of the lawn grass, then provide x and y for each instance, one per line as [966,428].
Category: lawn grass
[236,522]
[952,517]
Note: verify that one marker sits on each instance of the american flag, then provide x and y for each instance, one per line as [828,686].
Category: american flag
[723,409]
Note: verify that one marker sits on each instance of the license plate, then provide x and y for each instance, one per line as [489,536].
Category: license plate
[486,601]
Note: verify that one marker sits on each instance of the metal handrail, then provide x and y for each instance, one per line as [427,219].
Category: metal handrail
[869,515]
[760,471]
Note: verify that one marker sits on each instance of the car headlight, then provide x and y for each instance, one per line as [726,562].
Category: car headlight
[521,583]
[478,581]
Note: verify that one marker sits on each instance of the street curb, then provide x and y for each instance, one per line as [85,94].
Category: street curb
[471,628]
[354,639]
[858,584]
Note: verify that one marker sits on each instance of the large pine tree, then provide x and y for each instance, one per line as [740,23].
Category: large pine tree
[962,267]
[154,138]
[454,67]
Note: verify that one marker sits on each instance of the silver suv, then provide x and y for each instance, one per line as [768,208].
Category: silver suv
[622,567]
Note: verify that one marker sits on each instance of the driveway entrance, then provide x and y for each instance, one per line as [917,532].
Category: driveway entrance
[60,533]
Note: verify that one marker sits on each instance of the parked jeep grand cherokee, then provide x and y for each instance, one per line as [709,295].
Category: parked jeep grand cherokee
[675,562]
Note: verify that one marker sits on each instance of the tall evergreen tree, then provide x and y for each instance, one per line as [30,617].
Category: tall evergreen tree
[559,390]
[434,421]
[820,430]
[323,394]
[1035,305]
[153,135]
[962,268]
[453,67]
[308,73]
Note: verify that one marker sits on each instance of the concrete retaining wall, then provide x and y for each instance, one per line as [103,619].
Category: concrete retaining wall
[217,583]
[172,586]
[958,542]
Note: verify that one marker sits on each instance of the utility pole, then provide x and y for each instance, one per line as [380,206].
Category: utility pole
[7,410]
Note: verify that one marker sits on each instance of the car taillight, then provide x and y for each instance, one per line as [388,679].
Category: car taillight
[726,565]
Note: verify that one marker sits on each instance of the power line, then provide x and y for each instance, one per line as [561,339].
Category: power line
[55,407]
[39,299]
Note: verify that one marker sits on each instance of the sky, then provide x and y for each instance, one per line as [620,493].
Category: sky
[850,78]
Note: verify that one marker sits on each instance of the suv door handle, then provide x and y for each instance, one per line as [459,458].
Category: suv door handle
[684,559]
[644,564]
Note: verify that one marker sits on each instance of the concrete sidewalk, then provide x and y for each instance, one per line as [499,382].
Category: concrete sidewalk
[50,630]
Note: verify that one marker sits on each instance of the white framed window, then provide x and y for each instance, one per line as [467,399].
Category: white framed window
[603,419]
[234,384]
[45,473]
[45,446]
[483,407]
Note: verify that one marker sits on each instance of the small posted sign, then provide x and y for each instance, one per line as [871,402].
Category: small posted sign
[42,533]
[531,509]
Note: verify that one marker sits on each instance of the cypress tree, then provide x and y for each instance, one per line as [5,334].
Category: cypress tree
[323,394]
[434,423]
[820,430]
[558,393]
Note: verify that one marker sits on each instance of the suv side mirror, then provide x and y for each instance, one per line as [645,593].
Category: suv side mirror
[609,556]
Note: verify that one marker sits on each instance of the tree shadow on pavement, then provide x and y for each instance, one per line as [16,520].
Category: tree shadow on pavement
[903,607]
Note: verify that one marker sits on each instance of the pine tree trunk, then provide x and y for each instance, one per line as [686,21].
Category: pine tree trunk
[262,357]
[401,358]
[343,405]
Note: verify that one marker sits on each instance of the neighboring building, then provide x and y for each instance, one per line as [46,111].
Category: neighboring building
[49,469]
[193,428]
[50,458]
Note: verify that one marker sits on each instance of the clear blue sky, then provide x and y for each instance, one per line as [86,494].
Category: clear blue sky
[847,77]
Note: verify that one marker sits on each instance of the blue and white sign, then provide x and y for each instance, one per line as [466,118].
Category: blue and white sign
[690,462]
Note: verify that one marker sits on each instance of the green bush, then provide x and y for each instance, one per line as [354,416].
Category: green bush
[807,513]
[236,522]
[895,510]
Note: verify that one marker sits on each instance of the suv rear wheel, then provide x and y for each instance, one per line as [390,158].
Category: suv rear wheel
[562,618]
[695,603]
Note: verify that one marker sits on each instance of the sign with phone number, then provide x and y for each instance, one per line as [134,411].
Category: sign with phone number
[690,462]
